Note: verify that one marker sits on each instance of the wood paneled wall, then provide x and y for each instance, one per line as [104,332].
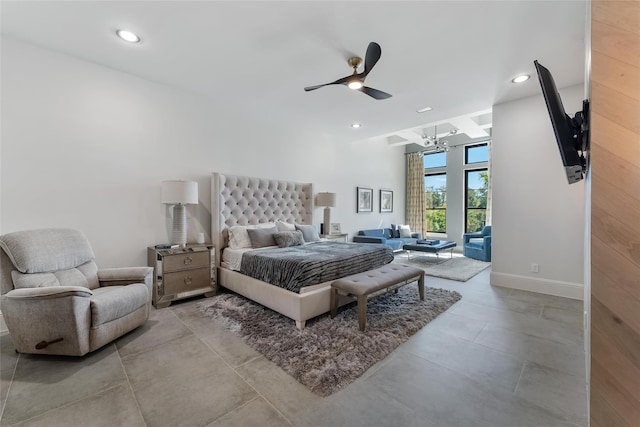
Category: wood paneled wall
[615,213]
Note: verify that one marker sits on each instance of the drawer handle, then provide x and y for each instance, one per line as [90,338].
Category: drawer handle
[187,280]
[188,260]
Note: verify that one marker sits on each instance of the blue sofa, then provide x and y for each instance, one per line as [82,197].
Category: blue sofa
[478,245]
[383,236]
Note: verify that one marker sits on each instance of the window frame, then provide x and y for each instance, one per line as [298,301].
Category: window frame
[424,155]
[466,192]
[470,146]
[436,171]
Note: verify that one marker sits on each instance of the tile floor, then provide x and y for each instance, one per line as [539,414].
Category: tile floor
[498,357]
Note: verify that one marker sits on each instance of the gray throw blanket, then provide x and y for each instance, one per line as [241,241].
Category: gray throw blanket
[297,266]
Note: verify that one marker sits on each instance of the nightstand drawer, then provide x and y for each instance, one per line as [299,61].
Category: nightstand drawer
[183,281]
[186,261]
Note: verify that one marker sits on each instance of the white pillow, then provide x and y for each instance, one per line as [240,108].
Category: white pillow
[285,226]
[239,237]
[309,232]
[405,231]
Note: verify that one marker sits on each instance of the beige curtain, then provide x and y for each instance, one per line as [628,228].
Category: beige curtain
[415,192]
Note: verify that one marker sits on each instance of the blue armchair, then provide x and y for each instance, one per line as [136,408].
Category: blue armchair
[478,245]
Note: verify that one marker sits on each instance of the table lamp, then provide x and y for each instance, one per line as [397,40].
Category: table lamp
[179,194]
[328,200]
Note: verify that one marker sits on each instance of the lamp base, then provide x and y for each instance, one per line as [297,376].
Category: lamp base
[179,236]
[327,220]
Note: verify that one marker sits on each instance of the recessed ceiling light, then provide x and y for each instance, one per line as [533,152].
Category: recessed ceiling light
[356,125]
[521,78]
[424,110]
[128,36]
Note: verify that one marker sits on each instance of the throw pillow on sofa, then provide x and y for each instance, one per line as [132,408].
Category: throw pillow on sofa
[405,231]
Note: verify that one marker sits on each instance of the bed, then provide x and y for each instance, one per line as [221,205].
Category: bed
[240,200]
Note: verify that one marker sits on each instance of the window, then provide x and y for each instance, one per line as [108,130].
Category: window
[476,186]
[435,160]
[476,154]
[435,196]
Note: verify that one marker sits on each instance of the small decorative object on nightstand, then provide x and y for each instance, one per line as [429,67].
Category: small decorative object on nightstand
[336,237]
[182,273]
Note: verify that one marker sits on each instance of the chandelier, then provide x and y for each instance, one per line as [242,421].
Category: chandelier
[439,145]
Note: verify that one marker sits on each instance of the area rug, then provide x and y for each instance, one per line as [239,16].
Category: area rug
[457,268]
[329,354]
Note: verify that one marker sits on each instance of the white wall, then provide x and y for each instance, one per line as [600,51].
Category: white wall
[85,146]
[537,216]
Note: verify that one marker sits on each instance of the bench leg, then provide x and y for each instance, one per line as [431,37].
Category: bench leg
[362,312]
[334,302]
[421,286]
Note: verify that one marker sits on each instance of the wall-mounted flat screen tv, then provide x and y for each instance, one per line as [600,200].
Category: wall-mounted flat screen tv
[572,133]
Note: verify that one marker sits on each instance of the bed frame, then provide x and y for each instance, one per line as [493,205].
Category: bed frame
[241,200]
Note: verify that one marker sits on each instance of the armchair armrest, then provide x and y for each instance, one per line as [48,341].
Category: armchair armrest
[468,236]
[369,239]
[48,292]
[125,276]
[53,315]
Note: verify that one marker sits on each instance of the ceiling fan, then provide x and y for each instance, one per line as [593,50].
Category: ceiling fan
[356,80]
[438,144]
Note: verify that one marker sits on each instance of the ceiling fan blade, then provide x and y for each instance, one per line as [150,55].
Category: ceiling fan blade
[308,88]
[374,93]
[371,57]
[341,81]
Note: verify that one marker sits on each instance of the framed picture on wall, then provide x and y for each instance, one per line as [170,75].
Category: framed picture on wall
[386,201]
[364,199]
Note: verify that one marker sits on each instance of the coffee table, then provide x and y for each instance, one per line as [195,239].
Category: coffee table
[434,249]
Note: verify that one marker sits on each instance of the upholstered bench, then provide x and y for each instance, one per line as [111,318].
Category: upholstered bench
[360,286]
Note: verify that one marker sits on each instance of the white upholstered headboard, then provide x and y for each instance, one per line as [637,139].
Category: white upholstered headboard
[242,200]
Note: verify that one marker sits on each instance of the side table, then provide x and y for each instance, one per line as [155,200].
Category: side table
[182,273]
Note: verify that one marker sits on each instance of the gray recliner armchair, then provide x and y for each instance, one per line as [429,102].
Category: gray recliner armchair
[56,301]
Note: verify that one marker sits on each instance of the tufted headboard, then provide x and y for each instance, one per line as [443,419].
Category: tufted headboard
[242,200]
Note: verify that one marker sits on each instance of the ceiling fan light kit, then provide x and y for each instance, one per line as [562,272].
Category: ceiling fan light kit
[356,80]
[355,84]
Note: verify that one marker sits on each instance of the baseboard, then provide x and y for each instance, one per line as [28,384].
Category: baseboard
[541,286]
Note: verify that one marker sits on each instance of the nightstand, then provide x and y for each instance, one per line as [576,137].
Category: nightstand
[182,273]
[338,237]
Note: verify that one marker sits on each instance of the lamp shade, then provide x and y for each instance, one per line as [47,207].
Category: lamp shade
[326,199]
[179,192]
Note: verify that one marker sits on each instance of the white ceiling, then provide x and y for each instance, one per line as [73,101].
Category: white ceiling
[457,57]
